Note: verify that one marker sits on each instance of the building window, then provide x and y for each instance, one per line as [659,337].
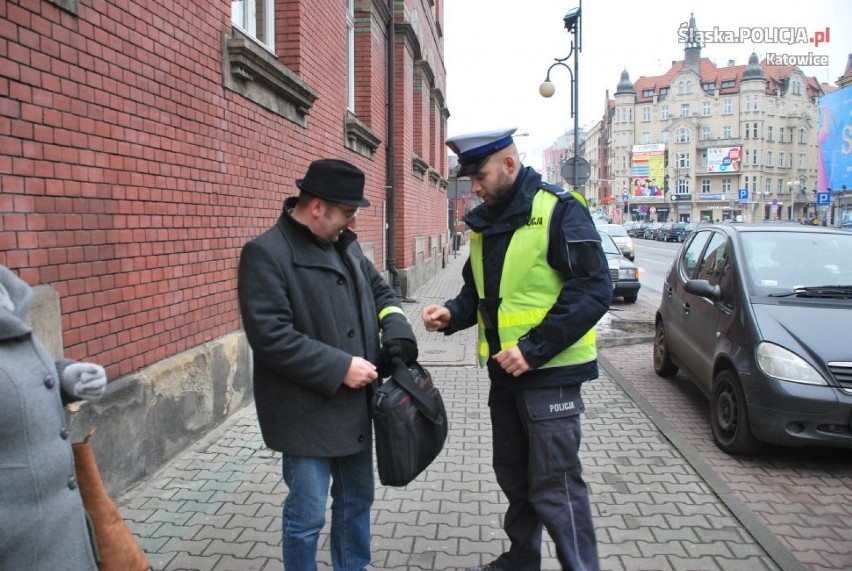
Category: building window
[756,130]
[646,137]
[256,19]
[684,110]
[768,186]
[705,186]
[801,160]
[727,106]
[780,186]
[770,133]
[801,136]
[747,103]
[781,136]
[682,186]
[781,159]
[726,132]
[705,133]
[755,158]
[770,107]
[664,137]
[689,87]
[769,158]
[683,135]
[747,131]
[726,185]
[664,112]
[681,88]
[782,109]
[682,160]
[646,113]
[706,109]
[757,102]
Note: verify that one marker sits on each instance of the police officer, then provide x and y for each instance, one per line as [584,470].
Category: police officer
[536,283]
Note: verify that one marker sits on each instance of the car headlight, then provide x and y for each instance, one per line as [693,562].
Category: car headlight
[628,273]
[781,363]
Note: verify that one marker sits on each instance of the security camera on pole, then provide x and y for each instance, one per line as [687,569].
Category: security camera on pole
[576,169]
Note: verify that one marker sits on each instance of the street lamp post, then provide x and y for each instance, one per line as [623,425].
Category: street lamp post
[800,183]
[547,89]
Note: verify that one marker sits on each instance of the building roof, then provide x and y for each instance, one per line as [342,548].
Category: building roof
[726,80]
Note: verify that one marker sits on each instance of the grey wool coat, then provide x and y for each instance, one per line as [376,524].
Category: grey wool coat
[43,526]
[305,317]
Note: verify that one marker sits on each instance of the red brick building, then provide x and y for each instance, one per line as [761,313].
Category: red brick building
[143,142]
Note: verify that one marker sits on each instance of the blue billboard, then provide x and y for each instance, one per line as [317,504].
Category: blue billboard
[834,167]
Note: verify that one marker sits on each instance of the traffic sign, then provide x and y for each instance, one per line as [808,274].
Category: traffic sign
[579,167]
[823,198]
[743,194]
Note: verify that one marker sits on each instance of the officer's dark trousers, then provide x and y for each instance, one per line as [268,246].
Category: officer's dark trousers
[536,442]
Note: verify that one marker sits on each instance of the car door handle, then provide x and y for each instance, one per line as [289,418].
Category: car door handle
[669,290]
[686,308]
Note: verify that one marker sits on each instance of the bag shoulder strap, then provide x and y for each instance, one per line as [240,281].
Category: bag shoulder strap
[425,404]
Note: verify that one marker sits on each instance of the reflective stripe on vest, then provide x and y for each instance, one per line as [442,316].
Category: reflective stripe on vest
[528,286]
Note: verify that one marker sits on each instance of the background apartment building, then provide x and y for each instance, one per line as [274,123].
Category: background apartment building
[145,141]
[702,142]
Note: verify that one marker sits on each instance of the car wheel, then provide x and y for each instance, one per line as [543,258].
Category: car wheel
[630,298]
[663,364]
[729,416]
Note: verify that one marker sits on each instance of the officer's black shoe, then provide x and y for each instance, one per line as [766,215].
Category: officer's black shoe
[487,567]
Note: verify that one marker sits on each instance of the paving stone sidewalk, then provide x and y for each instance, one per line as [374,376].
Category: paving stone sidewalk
[217,505]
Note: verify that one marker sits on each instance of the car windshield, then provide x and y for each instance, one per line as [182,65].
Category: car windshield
[613,230]
[783,261]
[609,245]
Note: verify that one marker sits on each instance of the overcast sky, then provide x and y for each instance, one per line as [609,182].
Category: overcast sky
[497,53]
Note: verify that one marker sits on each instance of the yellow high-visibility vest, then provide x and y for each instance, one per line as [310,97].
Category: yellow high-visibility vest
[528,286]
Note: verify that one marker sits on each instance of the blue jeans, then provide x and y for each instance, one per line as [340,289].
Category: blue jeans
[352,491]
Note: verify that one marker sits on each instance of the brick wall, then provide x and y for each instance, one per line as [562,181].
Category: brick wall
[130,176]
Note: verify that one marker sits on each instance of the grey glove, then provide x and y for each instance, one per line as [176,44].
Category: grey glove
[84,380]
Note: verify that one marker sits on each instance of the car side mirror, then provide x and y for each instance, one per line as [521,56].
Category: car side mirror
[703,288]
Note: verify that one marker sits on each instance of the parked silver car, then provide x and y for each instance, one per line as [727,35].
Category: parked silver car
[619,235]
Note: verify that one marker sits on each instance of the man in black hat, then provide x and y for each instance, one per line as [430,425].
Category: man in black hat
[536,283]
[319,317]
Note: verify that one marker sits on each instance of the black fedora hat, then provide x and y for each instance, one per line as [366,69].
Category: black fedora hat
[334,180]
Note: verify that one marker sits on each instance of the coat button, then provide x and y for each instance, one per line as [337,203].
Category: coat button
[339,281]
[350,333]
[49,382]
[360,438]
[63,433]
[72,483]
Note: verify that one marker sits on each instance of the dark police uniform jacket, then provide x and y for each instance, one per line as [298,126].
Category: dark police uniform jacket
[574,250]
[305,316]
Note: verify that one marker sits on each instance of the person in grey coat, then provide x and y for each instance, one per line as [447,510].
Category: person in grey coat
[43,526]
[319,319]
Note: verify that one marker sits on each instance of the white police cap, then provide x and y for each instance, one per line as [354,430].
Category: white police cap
[473,148]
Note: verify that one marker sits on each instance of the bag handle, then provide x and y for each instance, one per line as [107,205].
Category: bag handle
[402,375]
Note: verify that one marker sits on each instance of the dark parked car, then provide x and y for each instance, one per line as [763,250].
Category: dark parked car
[759,316]
[623,272]
[688,229]
[650,230]
[671,232]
